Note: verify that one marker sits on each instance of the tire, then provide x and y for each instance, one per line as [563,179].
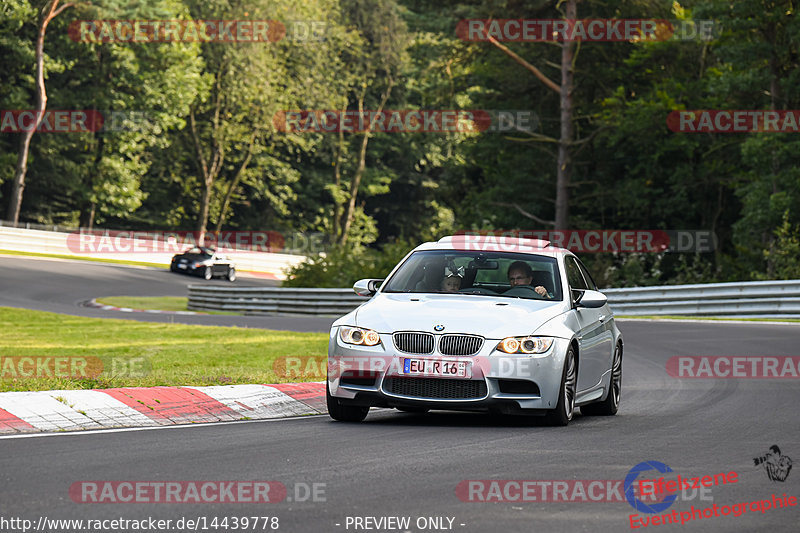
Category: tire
[207,274]
[344,413]
[231,274]
[610,405]
[416,410]
[562,414]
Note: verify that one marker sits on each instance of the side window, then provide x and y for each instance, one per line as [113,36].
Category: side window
[574,276]
[587,276]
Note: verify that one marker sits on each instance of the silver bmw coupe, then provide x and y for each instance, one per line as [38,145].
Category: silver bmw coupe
[508,325]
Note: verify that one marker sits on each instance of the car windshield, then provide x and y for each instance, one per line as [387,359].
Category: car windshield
[476,273]
[199,251]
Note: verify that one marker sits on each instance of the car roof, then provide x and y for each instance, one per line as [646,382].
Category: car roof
[494,243]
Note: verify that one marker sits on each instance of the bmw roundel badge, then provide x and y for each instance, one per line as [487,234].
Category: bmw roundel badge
[438,327]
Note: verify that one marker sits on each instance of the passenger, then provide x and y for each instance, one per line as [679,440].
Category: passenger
[451,283]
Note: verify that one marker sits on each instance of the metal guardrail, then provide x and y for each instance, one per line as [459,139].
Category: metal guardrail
[273,300]
[778,299]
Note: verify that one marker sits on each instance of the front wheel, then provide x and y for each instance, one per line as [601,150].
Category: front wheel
[610,405]
[207,273]
[231,274]
[562,414]
[344,413]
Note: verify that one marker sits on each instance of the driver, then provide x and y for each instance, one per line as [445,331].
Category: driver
[520,273]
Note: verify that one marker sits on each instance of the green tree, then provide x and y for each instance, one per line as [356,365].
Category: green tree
[374,67]
[49,11]
[230,132]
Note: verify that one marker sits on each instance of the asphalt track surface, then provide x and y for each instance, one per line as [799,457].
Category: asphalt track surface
[397,464]
[61,286]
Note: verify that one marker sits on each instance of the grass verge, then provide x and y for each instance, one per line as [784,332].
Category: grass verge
[84,258]
[156,303]
[158,354]
[679,317]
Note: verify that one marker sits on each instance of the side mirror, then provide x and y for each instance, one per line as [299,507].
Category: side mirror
[589,298]
[367,287]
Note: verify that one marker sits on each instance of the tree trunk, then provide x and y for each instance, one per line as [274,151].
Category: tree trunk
[203,218]
[209,172]
[355,182]
[50,11]
[234,183]
[564,173]
[91,215]
[86,219]
[337,180]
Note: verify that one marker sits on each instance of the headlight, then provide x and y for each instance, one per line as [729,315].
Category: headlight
[364,337]
[525,345]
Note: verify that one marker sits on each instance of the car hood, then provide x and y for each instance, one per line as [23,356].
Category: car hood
[493,318]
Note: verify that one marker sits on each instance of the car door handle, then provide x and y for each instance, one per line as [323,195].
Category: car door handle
[603,318]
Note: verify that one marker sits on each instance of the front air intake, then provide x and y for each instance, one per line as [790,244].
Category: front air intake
[440,389]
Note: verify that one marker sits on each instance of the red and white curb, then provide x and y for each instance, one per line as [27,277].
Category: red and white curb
[70,410]
[94,304]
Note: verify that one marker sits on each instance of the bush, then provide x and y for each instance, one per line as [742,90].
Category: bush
[782,255]
[341,267]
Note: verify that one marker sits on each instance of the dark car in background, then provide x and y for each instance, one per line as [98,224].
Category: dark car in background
[204,262]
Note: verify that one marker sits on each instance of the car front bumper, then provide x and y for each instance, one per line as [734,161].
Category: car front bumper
[374,376]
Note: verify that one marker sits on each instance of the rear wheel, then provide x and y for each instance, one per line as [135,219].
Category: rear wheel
[231,274]
[207,273]
[610,405]
[344,413]
[562,414]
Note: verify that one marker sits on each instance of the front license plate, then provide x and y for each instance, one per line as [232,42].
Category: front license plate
[437,367]
[183,266]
